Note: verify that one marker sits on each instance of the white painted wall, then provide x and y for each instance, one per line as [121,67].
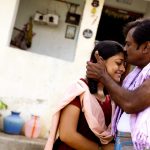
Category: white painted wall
[50,40]
[8,14]
[147,14]
[26,76]
[91,22]
[136,5]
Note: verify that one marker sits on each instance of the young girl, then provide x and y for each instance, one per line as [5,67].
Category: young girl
[83,117]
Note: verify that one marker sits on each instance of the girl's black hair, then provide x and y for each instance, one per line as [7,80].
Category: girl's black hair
[106,49]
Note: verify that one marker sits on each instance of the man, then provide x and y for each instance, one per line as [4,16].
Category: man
[134,96]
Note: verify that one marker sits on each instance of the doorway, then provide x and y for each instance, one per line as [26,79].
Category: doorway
[112,22]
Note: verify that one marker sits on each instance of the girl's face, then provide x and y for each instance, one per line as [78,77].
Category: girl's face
[115,66]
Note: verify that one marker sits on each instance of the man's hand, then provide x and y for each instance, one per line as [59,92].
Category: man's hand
[97,70]
[130,101]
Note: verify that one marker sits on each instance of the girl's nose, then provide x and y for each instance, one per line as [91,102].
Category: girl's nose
[122,68]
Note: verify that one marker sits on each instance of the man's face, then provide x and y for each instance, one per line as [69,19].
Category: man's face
[134,53]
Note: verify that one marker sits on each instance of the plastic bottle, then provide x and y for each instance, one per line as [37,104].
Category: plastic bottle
[33,127]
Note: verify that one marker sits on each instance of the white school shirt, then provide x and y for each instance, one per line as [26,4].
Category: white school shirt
[124,123]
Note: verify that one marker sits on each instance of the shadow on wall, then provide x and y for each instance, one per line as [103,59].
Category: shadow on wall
[48,31]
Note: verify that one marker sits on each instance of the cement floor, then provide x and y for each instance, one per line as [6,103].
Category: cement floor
[19,142]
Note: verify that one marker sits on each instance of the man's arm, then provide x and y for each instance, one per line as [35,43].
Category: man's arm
[130,101]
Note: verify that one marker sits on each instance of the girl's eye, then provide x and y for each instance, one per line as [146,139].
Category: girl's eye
[118,63]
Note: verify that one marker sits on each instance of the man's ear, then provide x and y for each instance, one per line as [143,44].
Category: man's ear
[148,45]
[146,48]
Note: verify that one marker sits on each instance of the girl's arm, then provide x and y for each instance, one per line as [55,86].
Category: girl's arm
[68,130]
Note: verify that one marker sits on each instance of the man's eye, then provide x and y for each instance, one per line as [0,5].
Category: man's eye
[128,44]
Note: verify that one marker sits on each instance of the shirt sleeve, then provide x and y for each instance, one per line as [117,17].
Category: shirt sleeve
[76,102]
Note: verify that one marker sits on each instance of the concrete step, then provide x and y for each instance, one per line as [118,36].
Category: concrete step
[19,142]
